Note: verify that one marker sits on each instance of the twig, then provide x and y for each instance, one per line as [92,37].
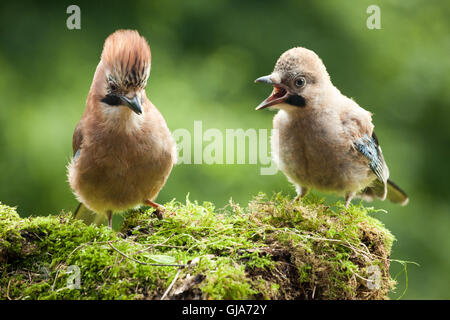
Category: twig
[145,263]
[166,246]
[56,277]
[345,243]
[171,284]
[86,244]
[162,244]
[362,278]
[7,291]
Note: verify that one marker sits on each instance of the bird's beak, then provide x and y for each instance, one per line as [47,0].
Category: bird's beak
[134,103]
[279,94]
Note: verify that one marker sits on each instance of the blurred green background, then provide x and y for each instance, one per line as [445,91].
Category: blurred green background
[205,56]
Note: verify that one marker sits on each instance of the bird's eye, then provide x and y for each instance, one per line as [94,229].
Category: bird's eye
[300,82]
[112,87]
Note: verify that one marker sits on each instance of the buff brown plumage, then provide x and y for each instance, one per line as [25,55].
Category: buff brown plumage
[324,141]
[123,149]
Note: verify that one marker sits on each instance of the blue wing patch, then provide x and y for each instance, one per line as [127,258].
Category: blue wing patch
[369,148]
[77,154]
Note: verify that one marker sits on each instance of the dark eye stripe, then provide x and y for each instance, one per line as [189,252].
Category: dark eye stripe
[296,100]
[112,100]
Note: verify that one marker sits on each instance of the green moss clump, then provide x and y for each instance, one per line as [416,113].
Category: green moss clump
[273,249]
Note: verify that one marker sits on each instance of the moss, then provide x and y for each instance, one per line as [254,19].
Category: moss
[272,249]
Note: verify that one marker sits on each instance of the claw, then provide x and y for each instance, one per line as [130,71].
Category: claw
[159,209]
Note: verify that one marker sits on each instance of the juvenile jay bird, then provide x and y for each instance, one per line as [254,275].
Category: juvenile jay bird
[123,150]
[325,140]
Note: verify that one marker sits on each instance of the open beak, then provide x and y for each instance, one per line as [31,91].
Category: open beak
[134,103]
[278,95]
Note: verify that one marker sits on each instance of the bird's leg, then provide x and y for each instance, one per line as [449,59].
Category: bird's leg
[159,209]
[301,192]
[109,216]
[348,198]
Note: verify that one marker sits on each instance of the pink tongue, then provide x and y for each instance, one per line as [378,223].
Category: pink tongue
[277,93]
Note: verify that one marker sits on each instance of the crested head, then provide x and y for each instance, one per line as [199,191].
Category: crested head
[122,74]
[127,59]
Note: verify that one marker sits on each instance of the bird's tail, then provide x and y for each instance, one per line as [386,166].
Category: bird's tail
[88,216]
[377,190]
[395,194]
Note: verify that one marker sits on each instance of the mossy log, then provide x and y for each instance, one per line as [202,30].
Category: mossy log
[272,249]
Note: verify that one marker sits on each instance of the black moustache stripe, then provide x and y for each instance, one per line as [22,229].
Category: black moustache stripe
[112,100]
[296,100]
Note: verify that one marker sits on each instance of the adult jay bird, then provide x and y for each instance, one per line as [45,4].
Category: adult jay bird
[123,149]
[324,140]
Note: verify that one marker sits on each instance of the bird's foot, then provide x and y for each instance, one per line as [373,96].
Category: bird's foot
[159,209]
[348,199]
[301,192]
[109,216]
[159,212]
